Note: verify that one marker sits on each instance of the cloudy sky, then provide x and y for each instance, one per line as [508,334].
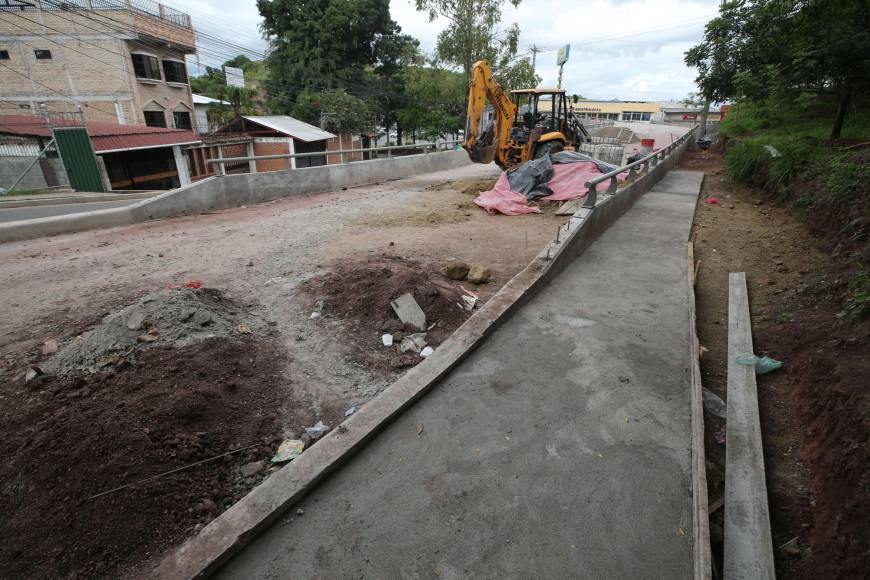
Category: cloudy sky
[626,49]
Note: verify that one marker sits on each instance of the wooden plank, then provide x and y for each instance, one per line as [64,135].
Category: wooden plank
[700,515]
[748,549]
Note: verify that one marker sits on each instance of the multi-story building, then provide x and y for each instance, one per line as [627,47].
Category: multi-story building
[118,61]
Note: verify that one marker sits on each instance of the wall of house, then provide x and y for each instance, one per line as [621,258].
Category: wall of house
[272,146]
[343,141]
[89,66]
[152,95]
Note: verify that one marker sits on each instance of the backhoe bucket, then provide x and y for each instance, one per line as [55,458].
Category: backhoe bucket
[482,153]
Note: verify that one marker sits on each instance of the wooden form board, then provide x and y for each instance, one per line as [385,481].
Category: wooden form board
[748,551]
[700,511]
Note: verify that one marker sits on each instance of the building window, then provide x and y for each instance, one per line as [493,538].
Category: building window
[42,54]
[636,116]
[182,120]
[4,55]
[145,66]
[174,71]
[155,118]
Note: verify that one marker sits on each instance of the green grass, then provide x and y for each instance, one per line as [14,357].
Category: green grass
[858,301]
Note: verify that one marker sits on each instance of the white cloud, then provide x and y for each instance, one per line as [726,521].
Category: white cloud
[627,49]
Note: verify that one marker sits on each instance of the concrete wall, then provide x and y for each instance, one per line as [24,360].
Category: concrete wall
[244,189]
[12,167]
[235,190]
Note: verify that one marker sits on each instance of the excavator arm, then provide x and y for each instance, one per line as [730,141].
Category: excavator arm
[494,143]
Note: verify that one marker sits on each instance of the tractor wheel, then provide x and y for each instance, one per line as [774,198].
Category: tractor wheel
[548,147]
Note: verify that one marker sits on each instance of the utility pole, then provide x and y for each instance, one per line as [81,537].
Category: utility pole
[535,50]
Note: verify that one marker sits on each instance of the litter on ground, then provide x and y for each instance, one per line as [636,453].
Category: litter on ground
[288,450]
[317,431]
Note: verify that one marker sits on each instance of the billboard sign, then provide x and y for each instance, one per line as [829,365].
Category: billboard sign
[235,77]
[562,55]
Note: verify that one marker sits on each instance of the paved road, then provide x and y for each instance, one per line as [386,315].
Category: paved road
[559,449]
[28,213]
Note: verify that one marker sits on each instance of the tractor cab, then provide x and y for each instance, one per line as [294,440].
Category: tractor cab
[543,124]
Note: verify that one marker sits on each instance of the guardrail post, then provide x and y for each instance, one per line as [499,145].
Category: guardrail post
[591,197]
[632,175]
[343,158]
[389,153]
[612,187]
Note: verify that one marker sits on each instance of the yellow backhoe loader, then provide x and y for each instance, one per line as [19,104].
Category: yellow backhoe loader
[530,124]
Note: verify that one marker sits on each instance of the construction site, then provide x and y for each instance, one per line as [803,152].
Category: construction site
[470,326]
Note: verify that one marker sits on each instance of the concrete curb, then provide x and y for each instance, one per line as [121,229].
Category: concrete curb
[12,203]
[65,224]
[748,549]
[229,191]
[205,553]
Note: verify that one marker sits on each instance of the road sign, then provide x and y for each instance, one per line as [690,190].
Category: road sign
[562,55]
[235,77]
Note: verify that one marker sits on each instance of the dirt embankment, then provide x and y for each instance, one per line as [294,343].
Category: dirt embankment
[814,413]
[114,410]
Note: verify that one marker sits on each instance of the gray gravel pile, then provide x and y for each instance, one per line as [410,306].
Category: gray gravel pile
[175,317]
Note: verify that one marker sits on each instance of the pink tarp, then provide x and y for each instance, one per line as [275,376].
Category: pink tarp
[568,182]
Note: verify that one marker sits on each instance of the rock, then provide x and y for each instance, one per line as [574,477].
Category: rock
[33,372]
[392,326]
[252,468]
[478,274]
[135,320]
[714,405]
[206,506]
[791,548]
[49,347]
[146,338]
[300,512]
[456,270]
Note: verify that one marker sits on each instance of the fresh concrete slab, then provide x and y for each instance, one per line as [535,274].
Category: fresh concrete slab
[748,550]
[559,448]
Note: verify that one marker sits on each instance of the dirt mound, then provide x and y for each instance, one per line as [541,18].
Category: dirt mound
[472,187]
[74,437]
[358,296]
[828,386]
[176,317]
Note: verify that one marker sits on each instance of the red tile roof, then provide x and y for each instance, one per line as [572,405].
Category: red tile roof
[104,136]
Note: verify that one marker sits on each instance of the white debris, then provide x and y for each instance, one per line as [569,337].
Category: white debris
[317,431]
[387,339]
[427,351]
[414,342]
[350,412]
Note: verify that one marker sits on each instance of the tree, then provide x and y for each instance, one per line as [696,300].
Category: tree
[321,45]
[334,110]
[787,50]
[435,106]
[473,34]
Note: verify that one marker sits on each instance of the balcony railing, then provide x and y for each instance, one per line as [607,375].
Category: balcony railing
[148,8]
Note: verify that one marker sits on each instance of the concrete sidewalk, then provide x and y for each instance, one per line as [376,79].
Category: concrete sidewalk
[559,449]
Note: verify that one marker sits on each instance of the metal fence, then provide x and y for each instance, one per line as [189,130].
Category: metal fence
[635,170]
[145,7]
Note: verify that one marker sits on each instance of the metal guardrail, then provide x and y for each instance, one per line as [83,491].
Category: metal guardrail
[149,8]
[635,169]
[447,145]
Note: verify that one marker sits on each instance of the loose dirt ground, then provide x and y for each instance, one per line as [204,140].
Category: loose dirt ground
[813,412]
[66,438]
